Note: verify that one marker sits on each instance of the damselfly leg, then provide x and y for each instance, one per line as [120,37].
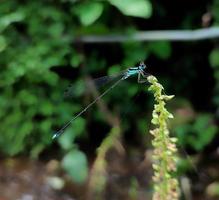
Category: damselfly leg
[142,77]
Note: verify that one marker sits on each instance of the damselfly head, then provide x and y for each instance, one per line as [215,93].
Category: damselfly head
[142,66]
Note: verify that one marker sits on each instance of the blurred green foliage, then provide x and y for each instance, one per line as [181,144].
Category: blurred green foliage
[88,12]
[75,163]
[38,59]
[137,8]
[197,134]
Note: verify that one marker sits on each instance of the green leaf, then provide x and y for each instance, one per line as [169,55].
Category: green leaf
[37,150]
[204,131]
[160,49]
[134,52]
[3,43]
[114,69]
[67,139]
[137,8]
[88,12]
[214,58]
[75,164]
[6,20]
[76,59]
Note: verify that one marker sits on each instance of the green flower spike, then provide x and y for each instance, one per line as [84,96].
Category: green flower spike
[164,157]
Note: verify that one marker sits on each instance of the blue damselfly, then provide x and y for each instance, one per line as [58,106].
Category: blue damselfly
[139,70]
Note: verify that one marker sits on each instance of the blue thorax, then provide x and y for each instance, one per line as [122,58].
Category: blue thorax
[135,70]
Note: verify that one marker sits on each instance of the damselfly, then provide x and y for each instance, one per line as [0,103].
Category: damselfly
[139,70]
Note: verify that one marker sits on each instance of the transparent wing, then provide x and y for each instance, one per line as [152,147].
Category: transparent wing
[71,90]
[61,131]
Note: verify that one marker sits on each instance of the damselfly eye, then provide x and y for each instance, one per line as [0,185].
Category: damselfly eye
[142,65]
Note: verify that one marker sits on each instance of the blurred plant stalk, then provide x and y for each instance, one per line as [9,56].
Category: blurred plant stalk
[98,178]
